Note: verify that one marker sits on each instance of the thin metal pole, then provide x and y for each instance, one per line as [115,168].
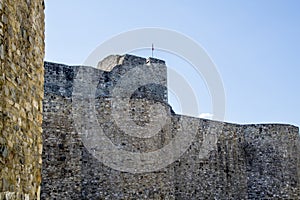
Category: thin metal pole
[152,49]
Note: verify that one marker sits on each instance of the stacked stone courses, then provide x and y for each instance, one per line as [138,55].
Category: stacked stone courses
[245,162]
[21,88]
[43,155]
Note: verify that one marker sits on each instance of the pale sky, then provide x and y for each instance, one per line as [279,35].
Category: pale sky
[255,46]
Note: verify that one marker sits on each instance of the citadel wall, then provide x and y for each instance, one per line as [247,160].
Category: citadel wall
[21,83]
[243,162]
[246,161]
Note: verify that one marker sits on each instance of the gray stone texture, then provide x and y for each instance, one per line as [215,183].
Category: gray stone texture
[243,162]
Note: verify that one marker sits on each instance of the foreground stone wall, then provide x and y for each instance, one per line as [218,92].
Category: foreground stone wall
[238,162]
[21,88]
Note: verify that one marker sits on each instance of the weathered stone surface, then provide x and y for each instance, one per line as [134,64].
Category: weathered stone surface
[243,162]
[21,89]
[111,61]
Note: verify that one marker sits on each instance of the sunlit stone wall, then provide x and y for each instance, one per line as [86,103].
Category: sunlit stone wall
[21,88]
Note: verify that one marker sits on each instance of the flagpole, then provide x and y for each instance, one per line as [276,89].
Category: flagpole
[152,49]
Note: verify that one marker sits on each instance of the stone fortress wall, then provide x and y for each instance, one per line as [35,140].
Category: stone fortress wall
[243,162]
[21,88]
[246,161]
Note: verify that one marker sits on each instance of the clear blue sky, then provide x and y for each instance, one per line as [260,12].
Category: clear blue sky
[254,44]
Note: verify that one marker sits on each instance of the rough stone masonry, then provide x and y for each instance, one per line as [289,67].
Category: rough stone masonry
[21,94]
[243,162]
